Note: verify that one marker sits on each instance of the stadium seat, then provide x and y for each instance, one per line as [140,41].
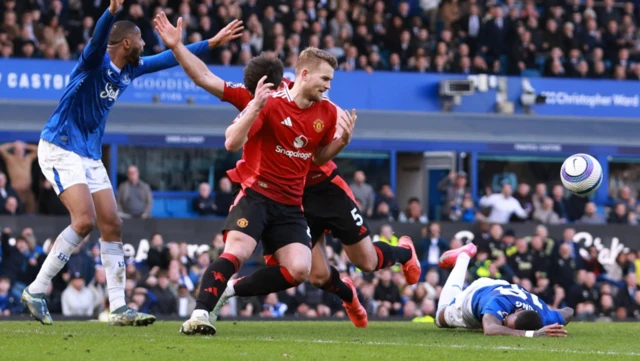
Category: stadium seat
[180,208]
[531,73]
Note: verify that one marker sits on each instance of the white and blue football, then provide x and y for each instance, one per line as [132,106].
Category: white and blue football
[581,174]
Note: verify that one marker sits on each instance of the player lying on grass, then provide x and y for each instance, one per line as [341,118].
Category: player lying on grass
[496,306]
[328,201]
[71,148]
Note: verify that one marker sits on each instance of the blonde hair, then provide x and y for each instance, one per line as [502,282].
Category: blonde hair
[313,56]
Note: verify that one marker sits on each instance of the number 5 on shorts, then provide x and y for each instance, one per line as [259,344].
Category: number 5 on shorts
[356,217]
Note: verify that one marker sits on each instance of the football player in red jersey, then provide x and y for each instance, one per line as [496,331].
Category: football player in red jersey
[328,201]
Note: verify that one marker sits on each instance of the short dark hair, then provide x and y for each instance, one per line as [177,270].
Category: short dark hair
[528,320]
[120,30]
[261,65]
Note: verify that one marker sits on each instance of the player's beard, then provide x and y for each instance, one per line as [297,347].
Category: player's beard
[134,56]
[314,94]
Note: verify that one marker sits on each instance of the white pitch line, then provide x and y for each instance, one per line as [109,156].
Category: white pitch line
[454,346]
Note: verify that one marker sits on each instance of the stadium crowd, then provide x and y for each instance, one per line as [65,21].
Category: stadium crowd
[573,38]
[557,270]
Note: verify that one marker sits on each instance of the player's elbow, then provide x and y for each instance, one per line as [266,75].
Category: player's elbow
[231,145]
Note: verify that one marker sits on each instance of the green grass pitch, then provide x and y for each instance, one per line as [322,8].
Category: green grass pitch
[263,341]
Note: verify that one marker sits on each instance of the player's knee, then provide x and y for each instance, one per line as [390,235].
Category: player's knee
[112,230]
[83,224]
[319,279]
[368,265]
[299,272]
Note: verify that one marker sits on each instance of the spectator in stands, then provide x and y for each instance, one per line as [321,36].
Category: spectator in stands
[619,215]
[502,205]
[560,205]
[383,212]
[386,195]
[606,308]
[77,300]
[204,204]
[98,286]
[431,247]
[158,255]
[5,191]
[525,199]
[467,212]
[49,203]
[199,268]
[224,197]
[9,303]
[564,268]
[522,262]
[454,186]
[591,263]
[19,158]
[538,197]
[14,258]
[11,207]
[185,302]
[413,213]
[364,192]
[166,300]
[584,296]
[590,215]
[273,307]
[387,236]
[387,293]
[546,215]
[626,295]
[134,196]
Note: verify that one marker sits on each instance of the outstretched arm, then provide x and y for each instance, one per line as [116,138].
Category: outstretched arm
[195,68]
[94,51]
[567,314]
[167,59]
[491,326]
[344,128]
[249,121]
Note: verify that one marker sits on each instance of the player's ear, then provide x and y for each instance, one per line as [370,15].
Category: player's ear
[126,43]
[304,73]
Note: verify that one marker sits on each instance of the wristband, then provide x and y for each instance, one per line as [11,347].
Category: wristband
[528,333]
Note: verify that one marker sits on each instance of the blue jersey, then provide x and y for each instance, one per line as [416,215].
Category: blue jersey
[503,300]
[78,122]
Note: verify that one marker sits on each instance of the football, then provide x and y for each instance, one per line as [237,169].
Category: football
[581,174]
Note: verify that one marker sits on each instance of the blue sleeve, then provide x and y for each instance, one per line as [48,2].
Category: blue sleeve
[550,317]
[166,59]
[93,53]
[497,309]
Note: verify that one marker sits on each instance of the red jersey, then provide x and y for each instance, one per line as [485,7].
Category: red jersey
[237,95]
[280,147]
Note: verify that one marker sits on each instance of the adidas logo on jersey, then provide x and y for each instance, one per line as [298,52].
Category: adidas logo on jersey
[287,122]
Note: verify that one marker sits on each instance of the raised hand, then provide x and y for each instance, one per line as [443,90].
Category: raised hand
[263,92]
[554,330]
[346,124]
[171,35]
[230,32]
[114,6]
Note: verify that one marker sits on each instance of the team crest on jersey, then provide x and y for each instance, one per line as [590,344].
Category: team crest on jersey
[125,79]
[242,223]
[318,125]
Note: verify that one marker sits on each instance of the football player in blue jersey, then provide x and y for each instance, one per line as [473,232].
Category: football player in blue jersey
[496,306]
[70,153]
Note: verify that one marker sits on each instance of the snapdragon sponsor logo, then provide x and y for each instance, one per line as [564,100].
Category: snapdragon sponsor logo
[592,100]
[292,153]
